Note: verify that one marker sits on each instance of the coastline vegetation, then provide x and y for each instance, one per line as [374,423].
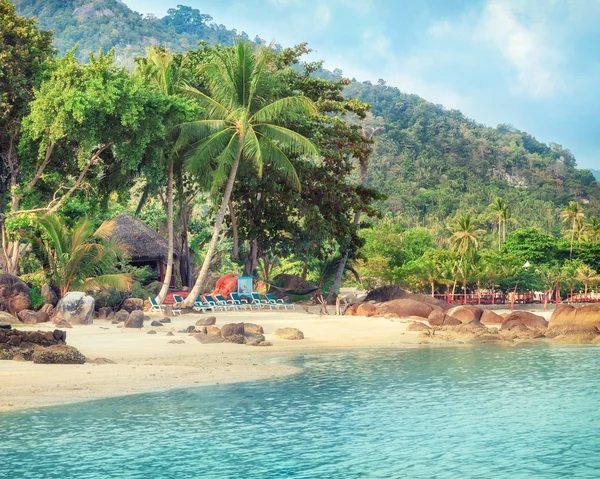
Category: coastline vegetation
[250,160]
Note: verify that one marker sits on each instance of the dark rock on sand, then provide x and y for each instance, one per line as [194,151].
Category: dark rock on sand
[208,321]
[57,354]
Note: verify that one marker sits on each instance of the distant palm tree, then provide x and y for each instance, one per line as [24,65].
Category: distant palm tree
[592,229]
[573,214]
[498,208]
[241,123]
[78,258]
[587,276]
[465,234]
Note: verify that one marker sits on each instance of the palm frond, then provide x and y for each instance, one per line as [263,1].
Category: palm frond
[273,112]
[213,109]
[288,141]
[273,155]
[202,153]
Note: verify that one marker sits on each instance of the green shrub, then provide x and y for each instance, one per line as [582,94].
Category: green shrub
[37,300]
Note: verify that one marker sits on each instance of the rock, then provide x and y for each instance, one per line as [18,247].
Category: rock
[466,314]
[289,333]
[290,283]
[190,329]
[201,330]
[176,341]
[165,320]
[133,304]
[14,293]
[76,308]
[569,320]
[57,354]
[489,318]
[265,343]
[61,323]
[100,361]
[253,328]
[474,327]
[48,309]
[449,321]
[208,321]
[236,339]
[232,329]
[391,293]
[104,312]
[8,318]
[436,317]
[49,295]
[532,321]
[513,324]
[135,319]
[403,308]
[170,333]
[147,318]
[418,326]
[209,338]
[253,339]
[367,310]
[5,326]
[351,310]
[111,317]
[32,317]
[156,324]
[213,330]
[121,316]
[151,332]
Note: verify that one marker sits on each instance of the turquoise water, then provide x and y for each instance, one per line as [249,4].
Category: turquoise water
[482,412]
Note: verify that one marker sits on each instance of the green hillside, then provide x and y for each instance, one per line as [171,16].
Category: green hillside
[431,162]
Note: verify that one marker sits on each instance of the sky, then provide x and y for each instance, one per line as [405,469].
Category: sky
[534,64]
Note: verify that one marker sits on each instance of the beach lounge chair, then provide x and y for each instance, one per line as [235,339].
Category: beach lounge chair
[197,307]
[155,307]
[224,305]
[202,305]
[239,301]
[224,301]
[279,302]
[259,301]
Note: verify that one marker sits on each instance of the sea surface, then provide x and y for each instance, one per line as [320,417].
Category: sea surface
[451,412]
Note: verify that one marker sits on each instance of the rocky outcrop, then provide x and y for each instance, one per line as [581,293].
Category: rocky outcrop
[14,294]
[367,310]
[418,327]
[8,318]
[121,316]
[391,293]
[289,333]
[57,354]
[104,312]
[28,316]
[75,308]
[133,304]
[208,321]
[575,325]
[232,329]
[403,308]
[530,320]
[14,342]
[253,328]
[465,314]
[253,339]
[213,330]
[205,338]
[135,320]
[48,309]
[489,318]
[49,295]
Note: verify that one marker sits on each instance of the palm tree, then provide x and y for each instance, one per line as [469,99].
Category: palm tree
[164,75]
[240,122]
[573,214]
[587,276]
[78,258]
[464,234]
[592,229]
[498,210]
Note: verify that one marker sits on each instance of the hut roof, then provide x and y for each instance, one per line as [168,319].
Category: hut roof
[144,243]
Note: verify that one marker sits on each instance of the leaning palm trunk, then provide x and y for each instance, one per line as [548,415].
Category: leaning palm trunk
[169,272]
[341,267]
[201,280]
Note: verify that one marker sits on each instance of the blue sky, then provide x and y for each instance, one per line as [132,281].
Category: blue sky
[534,64]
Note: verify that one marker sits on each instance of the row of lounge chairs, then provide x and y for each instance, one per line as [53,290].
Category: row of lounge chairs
[237,302]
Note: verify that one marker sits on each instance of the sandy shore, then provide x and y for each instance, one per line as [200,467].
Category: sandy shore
[146,362]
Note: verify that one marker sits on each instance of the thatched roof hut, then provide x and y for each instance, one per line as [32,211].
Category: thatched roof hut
[146,246]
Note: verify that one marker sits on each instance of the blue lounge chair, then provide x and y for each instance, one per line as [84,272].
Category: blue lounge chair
[155,307]
[279,302]
[260,302]
[224,301]
[239,301]
[201,304]
[224,305]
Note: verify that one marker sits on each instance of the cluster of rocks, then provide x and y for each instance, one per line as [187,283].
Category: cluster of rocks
[43,347]
[472,323]
[251,334]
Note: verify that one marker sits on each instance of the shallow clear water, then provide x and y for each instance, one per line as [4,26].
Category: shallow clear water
[481,412]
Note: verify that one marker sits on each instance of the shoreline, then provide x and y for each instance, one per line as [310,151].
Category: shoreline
[151,363]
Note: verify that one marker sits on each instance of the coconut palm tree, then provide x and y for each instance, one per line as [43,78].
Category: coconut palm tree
[78,258]
[164,76]
[464,234]
[573,214]
[498,208]
[242,122]
[592,229]
[587,276]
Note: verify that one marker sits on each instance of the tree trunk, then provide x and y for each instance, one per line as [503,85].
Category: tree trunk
[337,282]
[572,238]
[201,280]
[433,289]
[169,272]
[252,258]
[235,253]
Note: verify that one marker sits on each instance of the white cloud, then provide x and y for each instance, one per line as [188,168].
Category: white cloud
[323,15]
[525,43]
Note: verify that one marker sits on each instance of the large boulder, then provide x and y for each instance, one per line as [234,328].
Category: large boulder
[7,318]
[121,316]
[366,309]
[391,293]
[135,320]
[466,314]
[209,338]
[252,328]
[14,294]
[253,339]
[417,326]
[403,308]
[49,295]
[133,304]
[289,333]
[208,321]
[436,317]
[57,354]
[75,308]
[32,317]
[532,321]
[351,310]
[48,309]
[104,312]
[575,325]
[232,329]
[489,318]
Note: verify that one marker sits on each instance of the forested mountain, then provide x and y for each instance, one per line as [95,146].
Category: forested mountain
[106,24]
[596,174]
[431,162]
